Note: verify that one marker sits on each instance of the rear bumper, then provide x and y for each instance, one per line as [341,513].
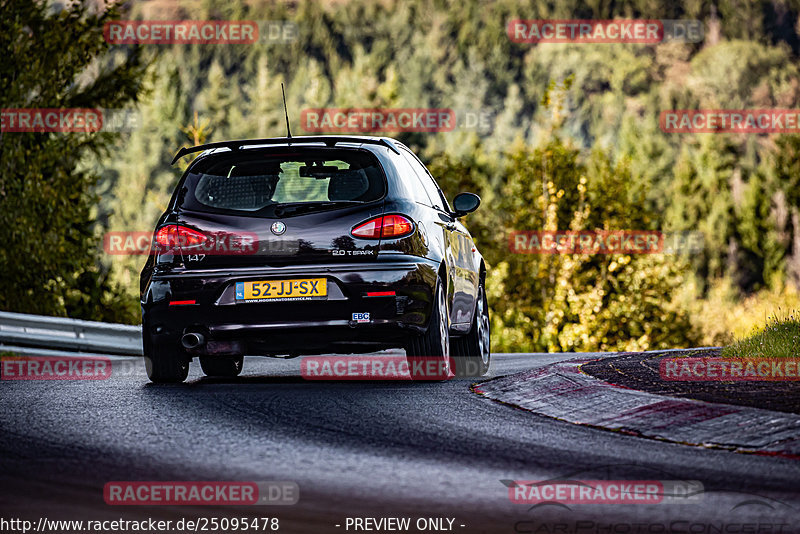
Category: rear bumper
[306,327]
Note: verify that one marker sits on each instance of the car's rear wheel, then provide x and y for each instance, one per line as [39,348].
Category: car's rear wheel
[472,352]
[428,355]
[222,366]
[164,364]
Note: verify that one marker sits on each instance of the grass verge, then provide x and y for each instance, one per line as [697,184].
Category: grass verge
[780,338]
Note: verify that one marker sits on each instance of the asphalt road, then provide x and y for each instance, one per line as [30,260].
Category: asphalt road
[358,449]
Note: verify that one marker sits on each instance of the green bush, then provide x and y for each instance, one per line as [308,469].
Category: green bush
[574,302]
[49,259]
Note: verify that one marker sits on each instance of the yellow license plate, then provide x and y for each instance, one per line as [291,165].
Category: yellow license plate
[262,290]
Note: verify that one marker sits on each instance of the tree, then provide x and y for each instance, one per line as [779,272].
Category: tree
[581,302]
[49,257]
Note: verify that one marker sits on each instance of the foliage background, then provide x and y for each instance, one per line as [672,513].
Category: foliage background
[574,143]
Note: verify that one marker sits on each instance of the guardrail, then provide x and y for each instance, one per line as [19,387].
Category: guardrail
[38,331]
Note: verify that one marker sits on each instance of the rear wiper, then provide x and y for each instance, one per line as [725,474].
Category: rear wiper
[292,208]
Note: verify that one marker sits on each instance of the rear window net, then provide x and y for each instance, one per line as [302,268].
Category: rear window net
[261,182]
[248,193]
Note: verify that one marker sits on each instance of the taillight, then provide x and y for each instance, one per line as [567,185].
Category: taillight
[384,226]
[381,294]
[175,236]
[182,302]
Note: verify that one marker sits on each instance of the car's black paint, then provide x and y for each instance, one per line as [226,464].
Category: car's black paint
[465,203]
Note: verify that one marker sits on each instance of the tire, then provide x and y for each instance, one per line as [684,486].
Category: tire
[222,366]
[434,345]
[164,364]
[472,353]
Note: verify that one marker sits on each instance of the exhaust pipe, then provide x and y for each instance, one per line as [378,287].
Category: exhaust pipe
[192,340]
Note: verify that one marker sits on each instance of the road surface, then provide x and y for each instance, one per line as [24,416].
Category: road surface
[358,450]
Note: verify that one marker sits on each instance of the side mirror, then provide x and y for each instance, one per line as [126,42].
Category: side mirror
[466,203]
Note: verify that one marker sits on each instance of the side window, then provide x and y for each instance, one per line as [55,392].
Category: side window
[427,181]
[412,180]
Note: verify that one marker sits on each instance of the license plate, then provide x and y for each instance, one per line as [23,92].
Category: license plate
[276,290]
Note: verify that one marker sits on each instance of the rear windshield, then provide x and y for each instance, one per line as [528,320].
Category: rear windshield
[259,182]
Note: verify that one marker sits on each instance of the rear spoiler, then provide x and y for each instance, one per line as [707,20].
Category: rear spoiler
[328,140]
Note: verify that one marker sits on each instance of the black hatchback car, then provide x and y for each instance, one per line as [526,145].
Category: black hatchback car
[311,245]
